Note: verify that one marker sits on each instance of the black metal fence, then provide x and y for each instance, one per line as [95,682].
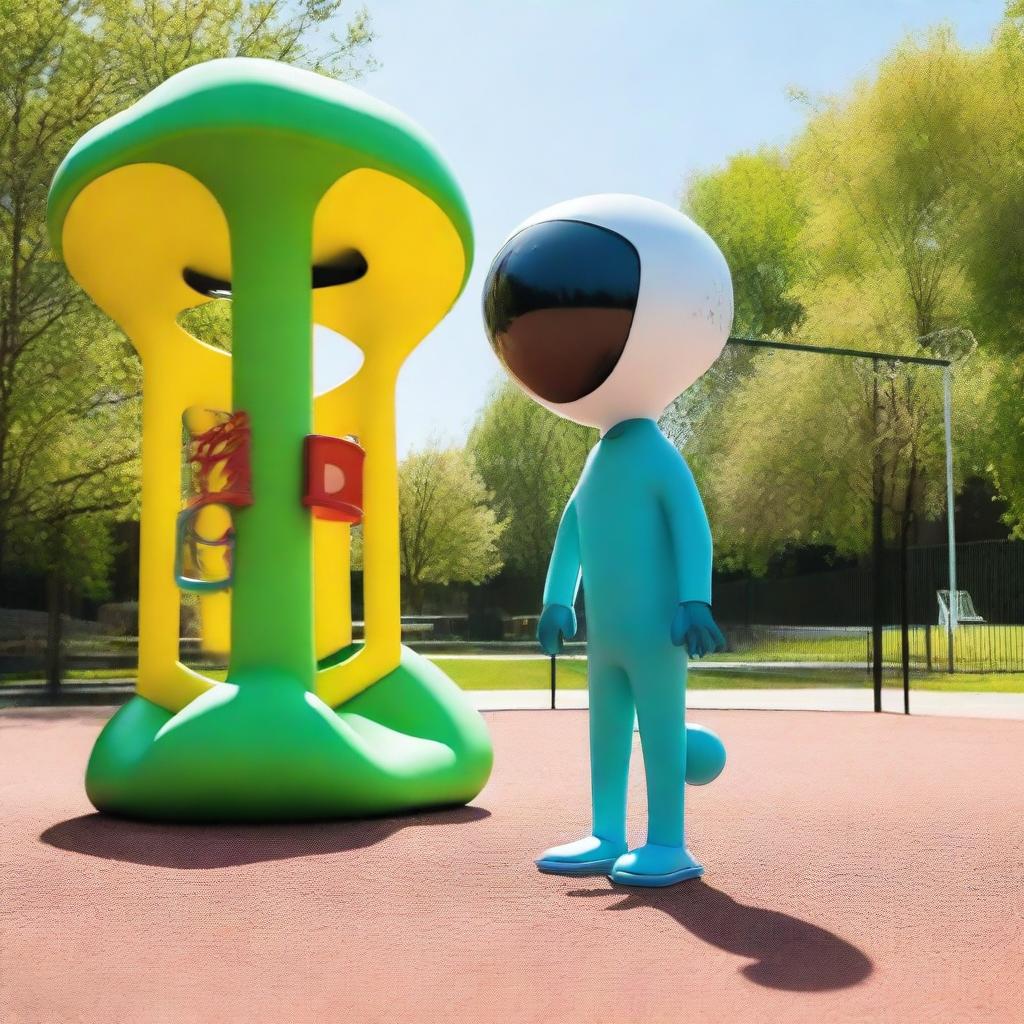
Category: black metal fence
[804,620]
[811,611]
[825,618]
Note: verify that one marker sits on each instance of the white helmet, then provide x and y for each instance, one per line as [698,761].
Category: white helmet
[606,308]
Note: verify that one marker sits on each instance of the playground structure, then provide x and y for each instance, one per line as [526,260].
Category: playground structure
[304,201]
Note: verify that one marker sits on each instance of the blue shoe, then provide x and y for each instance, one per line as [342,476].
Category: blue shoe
[590,856]
[655,866]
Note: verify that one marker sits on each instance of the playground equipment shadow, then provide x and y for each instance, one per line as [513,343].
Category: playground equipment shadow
[200,847]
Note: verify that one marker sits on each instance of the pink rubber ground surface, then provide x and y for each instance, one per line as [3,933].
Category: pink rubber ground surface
[860,868]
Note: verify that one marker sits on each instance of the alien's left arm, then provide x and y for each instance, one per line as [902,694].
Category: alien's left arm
[690,534]
[689,530]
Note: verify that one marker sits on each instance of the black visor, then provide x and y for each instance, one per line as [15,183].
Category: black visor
[558,305]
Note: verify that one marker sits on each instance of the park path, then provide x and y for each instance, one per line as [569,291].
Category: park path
[830,698]
[775,698]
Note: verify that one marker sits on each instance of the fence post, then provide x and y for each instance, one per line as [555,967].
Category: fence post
[877,546]
[554,680]
[905,619]
[947,415]
[56,593]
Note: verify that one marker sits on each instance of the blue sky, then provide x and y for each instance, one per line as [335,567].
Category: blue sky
[536,102]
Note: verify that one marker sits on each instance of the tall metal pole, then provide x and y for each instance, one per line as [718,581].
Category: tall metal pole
[947,413]
[905,619]
[877,548]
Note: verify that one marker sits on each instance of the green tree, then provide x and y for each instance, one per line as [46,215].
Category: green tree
[883,177]
[993,251]
[530,460]
[992,238]
[887,172]
[74,447]
[68,382]
[755,210]
[890,168]
[448,532]
[812,442]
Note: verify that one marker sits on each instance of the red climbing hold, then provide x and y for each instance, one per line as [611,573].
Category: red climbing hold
[334,478]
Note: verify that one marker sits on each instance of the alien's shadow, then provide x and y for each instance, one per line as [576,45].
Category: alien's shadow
[200,847]
[788,953]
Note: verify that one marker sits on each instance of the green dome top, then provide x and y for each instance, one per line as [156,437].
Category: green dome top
[265,97]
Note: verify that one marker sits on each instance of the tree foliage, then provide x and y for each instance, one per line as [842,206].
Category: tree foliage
[889,185]
[530,460]
[887,174]
[68,381]
[816,486]
[993,246]
[448,531]
[754,209]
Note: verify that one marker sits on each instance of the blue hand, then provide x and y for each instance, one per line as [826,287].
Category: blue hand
[694,626]
[556,621]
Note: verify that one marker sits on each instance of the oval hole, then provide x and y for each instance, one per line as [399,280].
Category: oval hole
[209,322]
[347,266]
[335,359]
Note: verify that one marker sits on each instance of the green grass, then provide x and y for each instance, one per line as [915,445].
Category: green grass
[534,674]
[972,682]
[979,646]
[488,674]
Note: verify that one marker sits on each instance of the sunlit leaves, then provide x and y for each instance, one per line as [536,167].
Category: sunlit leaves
[69,402]
[867,223]
[530,460]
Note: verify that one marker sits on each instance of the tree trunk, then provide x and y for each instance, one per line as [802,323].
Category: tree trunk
[54,631]
[417,597]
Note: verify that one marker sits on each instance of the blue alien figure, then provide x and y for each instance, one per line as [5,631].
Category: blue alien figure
[604,309]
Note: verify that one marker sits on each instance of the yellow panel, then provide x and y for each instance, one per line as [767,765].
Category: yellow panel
[413,253]
[135,276]
[416,263]
[333,586]
[133,271]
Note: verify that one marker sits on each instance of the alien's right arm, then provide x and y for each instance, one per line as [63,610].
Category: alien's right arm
[563,580]
[689,530]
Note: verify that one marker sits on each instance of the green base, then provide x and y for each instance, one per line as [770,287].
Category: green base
[269,750]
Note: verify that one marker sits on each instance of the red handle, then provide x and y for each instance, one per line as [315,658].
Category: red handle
[334,478]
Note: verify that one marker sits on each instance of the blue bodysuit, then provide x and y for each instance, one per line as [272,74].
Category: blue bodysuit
[636,527]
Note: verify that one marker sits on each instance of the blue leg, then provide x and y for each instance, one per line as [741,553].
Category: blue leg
[611,742]
[659,688]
